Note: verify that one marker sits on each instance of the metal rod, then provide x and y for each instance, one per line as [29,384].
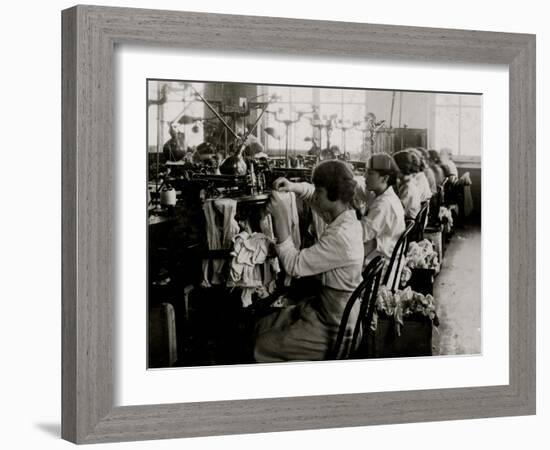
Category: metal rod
[248,133]
[216,113]
[257,121]
[392,105]
[286,145]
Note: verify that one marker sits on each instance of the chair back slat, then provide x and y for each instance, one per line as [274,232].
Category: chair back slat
[417,234]
[366,313]
[366,293]
[435,203]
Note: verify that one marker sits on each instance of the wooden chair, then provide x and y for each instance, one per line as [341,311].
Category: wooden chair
[436,202]
[393,270]
[366,293]
[417,233]
[434,230]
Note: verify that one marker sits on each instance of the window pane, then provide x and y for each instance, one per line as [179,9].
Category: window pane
[470,100]
[354,113]
[299,132]
[275,146]
[331,95]
[446,127]
[279,111]
[354,139]
[282,111]
[302,95]
[470,137]
[335,139]
[327,109]
[353,96]
[282,91]
[152,127]
[179,101]
[447,99]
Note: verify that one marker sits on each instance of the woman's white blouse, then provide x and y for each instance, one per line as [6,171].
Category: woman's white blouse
[384,223]
[423,186]
[409,195]
[337,257]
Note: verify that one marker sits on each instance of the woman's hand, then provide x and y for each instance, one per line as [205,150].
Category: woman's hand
[281,184]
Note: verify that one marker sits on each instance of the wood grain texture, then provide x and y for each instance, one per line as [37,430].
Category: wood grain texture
[523,224]
[89,202]
[68,225]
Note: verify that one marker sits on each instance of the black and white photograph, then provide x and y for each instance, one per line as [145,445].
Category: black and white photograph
[311,223]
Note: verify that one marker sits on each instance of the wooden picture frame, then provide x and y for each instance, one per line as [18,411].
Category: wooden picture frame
[90,34]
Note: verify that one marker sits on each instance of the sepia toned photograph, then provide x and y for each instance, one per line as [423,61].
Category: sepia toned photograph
[311,223]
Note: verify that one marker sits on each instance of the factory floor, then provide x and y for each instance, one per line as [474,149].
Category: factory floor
[457,291]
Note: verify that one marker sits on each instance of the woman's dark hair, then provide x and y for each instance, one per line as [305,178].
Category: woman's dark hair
[434,156]
[418,159]
[406,161]
[424,152]
[337,178]
[391,174]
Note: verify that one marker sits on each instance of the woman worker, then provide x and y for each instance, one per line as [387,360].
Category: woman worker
[447,163]
[408,191]
[428,171]
[307,331]
[435,163]
[385,219]
[420,176]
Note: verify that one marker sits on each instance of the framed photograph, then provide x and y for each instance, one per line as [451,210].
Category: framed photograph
[246,202]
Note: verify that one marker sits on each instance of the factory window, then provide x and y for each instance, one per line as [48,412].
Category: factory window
[286,120]
[337,119]
[174,102]
[343,110]
[458,124]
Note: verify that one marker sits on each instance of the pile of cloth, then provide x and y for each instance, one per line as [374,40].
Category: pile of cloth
[401,304]
[220,234]
[253,265]
[446,217]
[421,255]
[251,268]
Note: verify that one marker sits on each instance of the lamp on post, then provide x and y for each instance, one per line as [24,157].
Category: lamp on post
[287,122]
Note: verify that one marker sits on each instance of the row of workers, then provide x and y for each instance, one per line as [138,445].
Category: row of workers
[393,189]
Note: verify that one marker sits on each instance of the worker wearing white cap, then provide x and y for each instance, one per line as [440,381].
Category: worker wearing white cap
[385,219]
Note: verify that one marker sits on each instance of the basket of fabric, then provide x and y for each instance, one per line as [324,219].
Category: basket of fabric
[421,267]
[403,324]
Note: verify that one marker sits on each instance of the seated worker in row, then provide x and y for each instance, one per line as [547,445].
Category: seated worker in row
[308,330]
[447,163]
[428,171]
[408,191]
[435,164]
[420,176]
[384,221]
